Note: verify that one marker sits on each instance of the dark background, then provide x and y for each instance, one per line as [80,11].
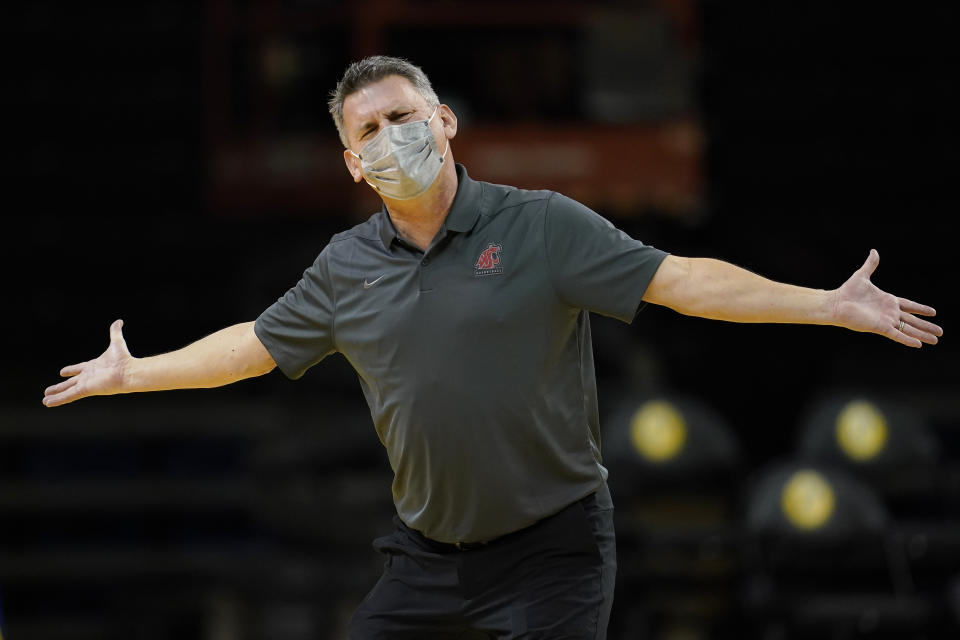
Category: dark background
[247,511]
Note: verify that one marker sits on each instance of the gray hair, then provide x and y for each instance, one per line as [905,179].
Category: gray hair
[373,69]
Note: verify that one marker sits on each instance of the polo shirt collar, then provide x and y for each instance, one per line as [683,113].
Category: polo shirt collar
[466,204]
[388,232]
[464,211]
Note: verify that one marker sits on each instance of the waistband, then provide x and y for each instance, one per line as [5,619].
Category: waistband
[587,502]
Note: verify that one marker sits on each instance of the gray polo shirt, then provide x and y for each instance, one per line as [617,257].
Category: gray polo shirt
[475,356]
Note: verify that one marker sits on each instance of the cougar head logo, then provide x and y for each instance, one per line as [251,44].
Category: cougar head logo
[489,258]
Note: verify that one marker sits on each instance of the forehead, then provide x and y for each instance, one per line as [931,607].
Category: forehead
[378,98]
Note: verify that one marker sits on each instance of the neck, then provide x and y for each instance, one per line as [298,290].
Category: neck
[418,220]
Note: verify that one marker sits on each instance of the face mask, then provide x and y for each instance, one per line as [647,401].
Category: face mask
[401,162]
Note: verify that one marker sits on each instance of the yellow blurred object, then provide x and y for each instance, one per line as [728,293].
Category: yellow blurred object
[861,430]
[808,500]
[658,431]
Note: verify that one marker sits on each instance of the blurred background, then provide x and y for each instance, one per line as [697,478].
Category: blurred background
[173,164]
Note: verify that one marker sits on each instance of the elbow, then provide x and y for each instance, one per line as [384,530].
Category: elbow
[252,368]
[265,368]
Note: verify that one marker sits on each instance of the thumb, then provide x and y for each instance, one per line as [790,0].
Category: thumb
[870,265]
[116,332]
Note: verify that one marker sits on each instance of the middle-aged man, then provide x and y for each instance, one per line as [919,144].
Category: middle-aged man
[464,308]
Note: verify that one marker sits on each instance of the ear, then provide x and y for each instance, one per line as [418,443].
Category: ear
[353,165]
[449,120]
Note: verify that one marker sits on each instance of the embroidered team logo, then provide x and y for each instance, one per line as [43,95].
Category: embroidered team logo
[488,263]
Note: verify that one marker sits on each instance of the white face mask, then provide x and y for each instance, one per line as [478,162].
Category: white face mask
[401,162]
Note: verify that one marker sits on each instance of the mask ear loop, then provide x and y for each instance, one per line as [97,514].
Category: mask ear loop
[447,147]
[373,186]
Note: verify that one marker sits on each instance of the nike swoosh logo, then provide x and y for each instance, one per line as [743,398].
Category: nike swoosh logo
[367,285]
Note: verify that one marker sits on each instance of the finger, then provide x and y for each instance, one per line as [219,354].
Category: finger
[923,325]
[873,259]
[62,393]
[72,369]
[62,398]
[915,307]
[60,386]
[921,335]
[899,336]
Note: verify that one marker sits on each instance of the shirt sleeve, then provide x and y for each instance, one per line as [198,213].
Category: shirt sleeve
[297,329]
[593,265]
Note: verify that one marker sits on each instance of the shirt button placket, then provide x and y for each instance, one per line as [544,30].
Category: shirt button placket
[424,281]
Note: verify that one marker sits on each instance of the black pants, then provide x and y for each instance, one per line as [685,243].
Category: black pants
[551,581]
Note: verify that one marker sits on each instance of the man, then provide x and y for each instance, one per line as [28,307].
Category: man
[464,308]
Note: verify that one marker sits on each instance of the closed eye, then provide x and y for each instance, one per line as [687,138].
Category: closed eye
[394,116]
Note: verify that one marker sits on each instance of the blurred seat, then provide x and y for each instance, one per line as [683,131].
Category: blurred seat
[668,442]
[888,445]
[883,442]
[675,468]
[821,558]
[158,518]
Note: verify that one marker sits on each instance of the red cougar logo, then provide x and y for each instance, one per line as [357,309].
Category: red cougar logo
[489,261]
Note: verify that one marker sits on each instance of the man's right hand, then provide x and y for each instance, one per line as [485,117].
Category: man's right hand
[100,377]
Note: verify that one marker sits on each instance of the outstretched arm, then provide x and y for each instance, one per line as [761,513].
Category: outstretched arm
[229,355]
[719,290]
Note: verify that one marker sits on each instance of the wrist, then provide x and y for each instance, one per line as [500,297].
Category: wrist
[130,375]
[829,307]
